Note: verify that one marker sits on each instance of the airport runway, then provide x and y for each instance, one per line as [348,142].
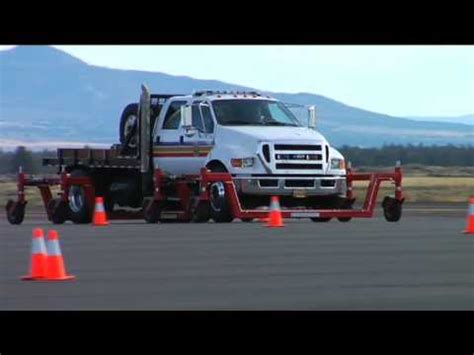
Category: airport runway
[423,262]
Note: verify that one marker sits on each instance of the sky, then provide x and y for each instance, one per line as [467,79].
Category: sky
[396,80]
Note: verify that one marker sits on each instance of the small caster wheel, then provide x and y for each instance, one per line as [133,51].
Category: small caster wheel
[58,211]
[15,212]
[151,211]
[201,213]
[392,209]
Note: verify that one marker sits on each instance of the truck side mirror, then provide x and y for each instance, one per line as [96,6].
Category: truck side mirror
[186,116]
[187,120]
[312,117]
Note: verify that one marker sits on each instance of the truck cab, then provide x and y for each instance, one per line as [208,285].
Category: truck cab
[255,138]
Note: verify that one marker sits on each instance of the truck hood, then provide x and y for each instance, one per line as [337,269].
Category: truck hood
[272,134]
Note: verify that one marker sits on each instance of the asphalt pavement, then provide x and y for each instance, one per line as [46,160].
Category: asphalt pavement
[423,262]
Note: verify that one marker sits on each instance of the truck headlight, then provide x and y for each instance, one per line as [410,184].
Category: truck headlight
[242,162]
[338,164]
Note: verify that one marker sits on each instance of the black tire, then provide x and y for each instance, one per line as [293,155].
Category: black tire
[201,213]
[219,202]
[15,216]
[128,123]
[247,220]
[109,203]
[345,205]
[392,209]
[320,219]
[151,211]
[79,207]
[59,211]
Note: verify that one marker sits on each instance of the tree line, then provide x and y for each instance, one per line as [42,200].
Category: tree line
[448,155]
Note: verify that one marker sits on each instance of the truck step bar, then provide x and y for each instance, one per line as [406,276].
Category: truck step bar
[57,209]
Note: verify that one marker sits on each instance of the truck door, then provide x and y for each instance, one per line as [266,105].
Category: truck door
[168,141]
[176,152]
[200,143]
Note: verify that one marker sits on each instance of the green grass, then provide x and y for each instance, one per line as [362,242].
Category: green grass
[427,189]
[420,184]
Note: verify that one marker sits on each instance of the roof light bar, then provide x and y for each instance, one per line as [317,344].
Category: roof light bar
[223,92]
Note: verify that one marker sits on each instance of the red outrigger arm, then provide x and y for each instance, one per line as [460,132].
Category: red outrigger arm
[367,211]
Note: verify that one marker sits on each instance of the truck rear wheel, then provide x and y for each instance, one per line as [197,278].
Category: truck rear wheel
[79,209]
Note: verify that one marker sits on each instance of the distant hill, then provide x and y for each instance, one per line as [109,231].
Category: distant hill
[465,119]
[49,95]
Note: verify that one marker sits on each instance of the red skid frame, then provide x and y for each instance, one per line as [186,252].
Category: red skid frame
[65,181]
[207,177]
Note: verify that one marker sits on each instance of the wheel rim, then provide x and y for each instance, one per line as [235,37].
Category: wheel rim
[217,195]
[76,199]
[129,124]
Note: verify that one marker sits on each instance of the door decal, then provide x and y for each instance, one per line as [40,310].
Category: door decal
[181,150]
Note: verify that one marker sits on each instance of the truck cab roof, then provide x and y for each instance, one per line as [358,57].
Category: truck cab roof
[213,95]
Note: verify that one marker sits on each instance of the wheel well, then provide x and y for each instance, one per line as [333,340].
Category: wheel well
[214,165]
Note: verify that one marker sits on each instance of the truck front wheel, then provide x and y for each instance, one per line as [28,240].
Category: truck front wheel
[219,202]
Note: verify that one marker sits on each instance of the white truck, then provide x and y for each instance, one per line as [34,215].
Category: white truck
[208,155]
[256,139]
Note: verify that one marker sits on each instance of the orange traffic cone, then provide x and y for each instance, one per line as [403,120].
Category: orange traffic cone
[38,256]
[55,269]
[274,218]
[470,218]
[100,217]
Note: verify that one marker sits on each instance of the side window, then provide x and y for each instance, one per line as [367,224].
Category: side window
[197,120]
[207,118]
[173,115]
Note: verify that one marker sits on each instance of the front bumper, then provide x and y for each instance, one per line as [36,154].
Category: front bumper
[291,185]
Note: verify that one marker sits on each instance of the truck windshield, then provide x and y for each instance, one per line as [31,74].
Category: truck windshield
[253,113]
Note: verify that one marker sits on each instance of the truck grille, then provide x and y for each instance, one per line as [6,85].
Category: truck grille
[298,156]
[297,147]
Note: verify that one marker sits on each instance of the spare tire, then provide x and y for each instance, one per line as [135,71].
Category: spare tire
[129,128]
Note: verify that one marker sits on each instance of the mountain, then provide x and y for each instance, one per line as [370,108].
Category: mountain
[49,95]
[465,119]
